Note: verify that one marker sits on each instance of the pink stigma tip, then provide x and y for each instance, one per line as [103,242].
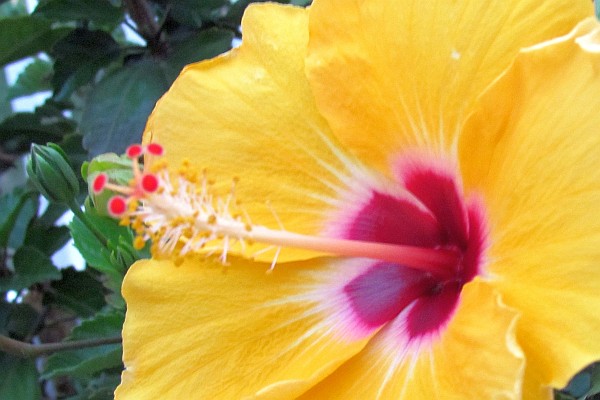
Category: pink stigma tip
[117,206]
[149,183]
[155,149]
[134,151]
[99,183]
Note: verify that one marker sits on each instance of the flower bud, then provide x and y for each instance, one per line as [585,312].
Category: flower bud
[50,171]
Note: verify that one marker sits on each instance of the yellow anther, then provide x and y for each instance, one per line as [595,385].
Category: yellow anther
[158,166]
[139,243]
[133,205]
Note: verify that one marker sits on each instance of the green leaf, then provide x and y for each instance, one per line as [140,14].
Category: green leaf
[22,322]
[235,13]
[5,310]
[31,266]
[89,361]
[46,124]
[78,291]
[206,44]
[5,106]
[301,3]
[19,379]
[78,57]
[16,210]
[92,250]
[51,215]
[99,388]
[12,8]
[118,107]
[47,239]
[101,12]
[35,78]
[18,320]
[196,12]
[25,36]
[595,381]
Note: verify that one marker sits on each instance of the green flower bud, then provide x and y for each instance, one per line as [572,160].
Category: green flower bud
[50,171]
[118,170]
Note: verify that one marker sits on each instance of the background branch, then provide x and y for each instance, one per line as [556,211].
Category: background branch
[28,350]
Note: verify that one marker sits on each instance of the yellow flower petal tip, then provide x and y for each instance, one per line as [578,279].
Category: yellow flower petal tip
[416,214]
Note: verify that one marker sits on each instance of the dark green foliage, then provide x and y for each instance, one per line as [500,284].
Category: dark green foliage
[88,362]
[119,107]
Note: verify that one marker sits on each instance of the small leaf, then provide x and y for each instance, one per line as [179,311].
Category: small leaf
[25,36]
[12,8]
[34,78]
[118,107]
[206,44]
[236,11]
[78,291]
[47,239]
[51,215]
[301,3]
[23,321]
[92,250]
[99,388]
[87,362]
[78,57]
[595,381]
[5,109]
[5,310]
[31,266]
[196,12]
[101,12]
[19,378]
[95,253]
[16,210]
[46,124]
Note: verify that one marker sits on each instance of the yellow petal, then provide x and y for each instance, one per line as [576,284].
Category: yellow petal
[533,389]
[204,331]
[532,151]
[390,74]
[475,358]
[250,114]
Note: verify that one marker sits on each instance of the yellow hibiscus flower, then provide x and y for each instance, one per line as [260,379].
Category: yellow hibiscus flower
[448,181]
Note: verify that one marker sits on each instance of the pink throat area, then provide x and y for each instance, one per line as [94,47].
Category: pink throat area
[431,213]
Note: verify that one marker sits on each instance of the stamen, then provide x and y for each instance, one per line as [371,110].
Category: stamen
[181,214]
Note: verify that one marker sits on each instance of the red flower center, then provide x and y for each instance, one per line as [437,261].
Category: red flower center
[431,213]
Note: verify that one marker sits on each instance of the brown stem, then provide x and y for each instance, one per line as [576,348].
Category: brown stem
[147,26]
[28,350]
[8,158]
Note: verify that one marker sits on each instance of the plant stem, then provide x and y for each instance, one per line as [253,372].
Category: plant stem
[81,215]
[28,350]
[141,13]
